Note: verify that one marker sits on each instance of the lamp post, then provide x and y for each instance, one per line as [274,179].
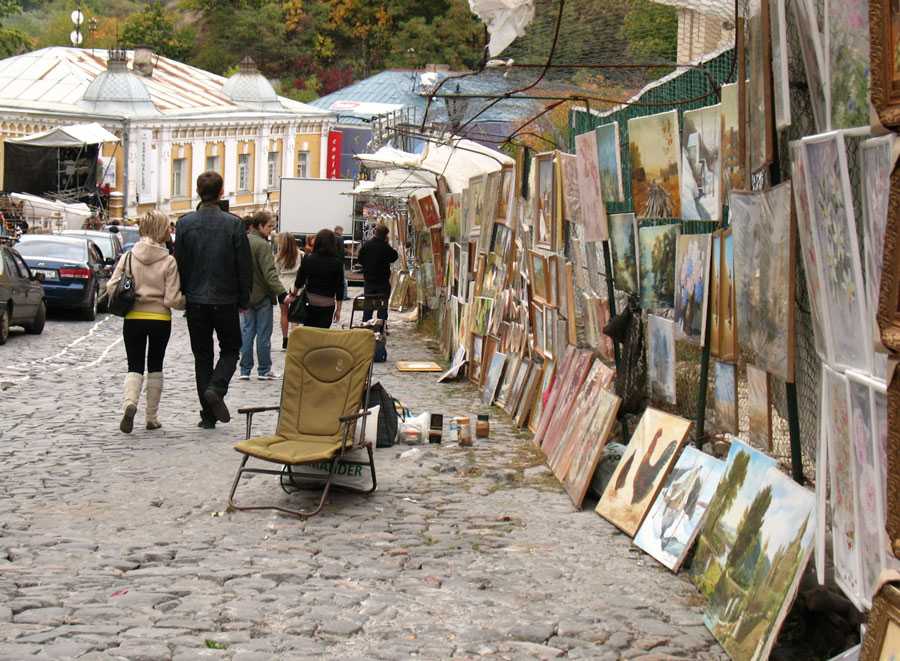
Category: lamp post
[456,109]
[77,17]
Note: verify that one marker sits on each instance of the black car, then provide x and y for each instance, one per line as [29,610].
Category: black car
[74,271]
[21,295]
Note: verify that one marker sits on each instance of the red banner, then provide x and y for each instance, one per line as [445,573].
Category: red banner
[333,162]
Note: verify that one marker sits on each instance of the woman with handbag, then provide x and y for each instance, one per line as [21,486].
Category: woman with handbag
[154,280]
[287,261]
[321,273]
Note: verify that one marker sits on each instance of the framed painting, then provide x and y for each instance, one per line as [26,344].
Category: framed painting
[889,298]
[512,401]
[558,405]
[573,389]
[623,239]
[513,365]
[529,395]
[477,200]
[428,207]
[882,639]
[546,208]
[781,93]
[654,148]
[538,327]
[661,358]
[568,169]
[494,373]
[539,276]
[543,392]
[759,410]
[762,126]
[764,278]
[488,349]
[491,194]
[609,160]
[728,330]
[588,446]
[847,35]
[701,164]
[553,274]
[806,27]
[714,277]
[673,522]
[452,220]
[692,286]
[476,362]
[725,411]
[483,308]
[506,199]
[884,57]
[732,158]
[657,245]
[640,473]
[590,189]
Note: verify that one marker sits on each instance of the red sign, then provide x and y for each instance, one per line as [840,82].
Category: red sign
[333,162]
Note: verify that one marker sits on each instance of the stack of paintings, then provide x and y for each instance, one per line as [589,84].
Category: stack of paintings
[569,390]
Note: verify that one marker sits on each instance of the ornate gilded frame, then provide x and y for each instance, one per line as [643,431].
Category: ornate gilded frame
[885,91]
[885,609]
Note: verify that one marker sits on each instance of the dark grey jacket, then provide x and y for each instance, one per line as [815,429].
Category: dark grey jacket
[213,257]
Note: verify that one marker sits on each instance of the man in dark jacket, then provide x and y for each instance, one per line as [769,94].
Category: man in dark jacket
[213,257]
[376,256]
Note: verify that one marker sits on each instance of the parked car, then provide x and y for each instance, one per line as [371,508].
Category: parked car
[21,295]
[110,244]
[74,270]
[128,234]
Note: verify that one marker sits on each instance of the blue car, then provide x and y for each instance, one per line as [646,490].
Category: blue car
[73,269]
[129,235]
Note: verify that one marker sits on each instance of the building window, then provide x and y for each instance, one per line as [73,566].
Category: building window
[212,164]
[273,170]
[179,177]
[303,164]
[243,172]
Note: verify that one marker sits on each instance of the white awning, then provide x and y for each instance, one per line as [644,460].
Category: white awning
[74,135]
[397,183]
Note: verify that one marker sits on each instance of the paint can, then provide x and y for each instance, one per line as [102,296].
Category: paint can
[483,426]
[465,430]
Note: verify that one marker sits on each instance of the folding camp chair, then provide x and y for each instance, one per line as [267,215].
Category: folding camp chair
[324,395]
[365,303]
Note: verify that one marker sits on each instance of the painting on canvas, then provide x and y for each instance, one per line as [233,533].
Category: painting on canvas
[780,81]
[751,552]
[656,246]
[513,365]
[512,400]
[642,470]
[761,134]
[661,358]
[559,453]
[492,380]
[678,512]
[623,239]
[545,199]
[529,395]
[610,160]
[593,208]
[588,448]
[543,392]
[429,209]
[764,279]
[848,68]
[654,149]
[758,409]
[483,308]
[701,168]
[691,286]
[806,27]
[834,230]
[477,200]
[714,276]
[539,276]
[568,166]
[725,398]
[506,198]
[731,140]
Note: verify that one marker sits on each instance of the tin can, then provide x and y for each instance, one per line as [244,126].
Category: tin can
[483,426]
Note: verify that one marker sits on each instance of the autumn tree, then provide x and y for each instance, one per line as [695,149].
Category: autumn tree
[651,31]
[154,27]
[12,41]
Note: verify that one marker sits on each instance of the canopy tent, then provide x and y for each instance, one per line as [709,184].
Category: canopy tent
[74,135]
[397,183]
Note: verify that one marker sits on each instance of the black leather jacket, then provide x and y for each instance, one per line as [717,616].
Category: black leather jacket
[213,257]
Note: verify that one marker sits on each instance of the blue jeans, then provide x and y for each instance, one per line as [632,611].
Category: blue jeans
[256,323]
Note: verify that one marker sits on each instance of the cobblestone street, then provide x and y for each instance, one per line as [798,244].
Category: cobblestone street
[115,546]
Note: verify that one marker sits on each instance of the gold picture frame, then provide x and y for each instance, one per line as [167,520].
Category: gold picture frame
[883,634]
[884,19]
[539,277]
[546,199]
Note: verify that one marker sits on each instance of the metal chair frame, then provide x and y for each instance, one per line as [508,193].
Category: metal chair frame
[366,302]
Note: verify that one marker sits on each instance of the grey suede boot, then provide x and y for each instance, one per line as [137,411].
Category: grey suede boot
[154,394]
[133,383]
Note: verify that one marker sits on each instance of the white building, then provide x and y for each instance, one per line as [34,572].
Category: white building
[174,122]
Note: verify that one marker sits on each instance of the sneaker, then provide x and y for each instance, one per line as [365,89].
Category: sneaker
[270,376]
[244,377]
[217,405]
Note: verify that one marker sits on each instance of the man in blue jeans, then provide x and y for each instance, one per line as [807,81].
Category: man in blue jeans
[256,320]
[376,256]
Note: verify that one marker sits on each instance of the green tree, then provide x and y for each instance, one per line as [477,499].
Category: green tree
[651,31]
[12,41]
[748,531]
[155,28]
[728,489]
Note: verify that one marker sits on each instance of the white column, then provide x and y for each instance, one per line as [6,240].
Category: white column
[230,167]
[198,165]
[164,170]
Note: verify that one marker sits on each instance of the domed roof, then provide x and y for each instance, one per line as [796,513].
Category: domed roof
[248,87]
[118,90]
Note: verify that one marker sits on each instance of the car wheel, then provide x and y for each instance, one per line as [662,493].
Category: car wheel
[4,325]
[90,312]
[36,327]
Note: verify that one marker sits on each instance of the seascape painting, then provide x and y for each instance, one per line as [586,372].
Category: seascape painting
[758,409]
[751,552]
[654,148]
[661,358]
[640,473]
[656,246]
[834,229]
[725,398]
[610,161]
[492,380]
[678,512]
[691,286]
[568,167]
[806,27]
[848,67]
[593,207]
[731,140]
[701,169]
[764,284]
[623,239]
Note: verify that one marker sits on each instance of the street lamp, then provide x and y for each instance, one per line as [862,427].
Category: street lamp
[77,20]
[456,108]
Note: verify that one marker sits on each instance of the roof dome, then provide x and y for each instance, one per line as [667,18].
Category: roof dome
[248,87]
[118,90]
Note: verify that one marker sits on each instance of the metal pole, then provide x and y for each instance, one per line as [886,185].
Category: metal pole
[611,295]
[700,430]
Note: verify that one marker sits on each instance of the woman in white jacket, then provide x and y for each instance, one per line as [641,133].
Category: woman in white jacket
[148,325]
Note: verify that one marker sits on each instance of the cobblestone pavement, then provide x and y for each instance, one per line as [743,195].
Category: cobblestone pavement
[115,546]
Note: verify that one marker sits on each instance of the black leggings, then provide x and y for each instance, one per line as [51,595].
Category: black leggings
[137,333]
[319,317]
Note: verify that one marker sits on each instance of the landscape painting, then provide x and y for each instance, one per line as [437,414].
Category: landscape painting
[764,285]
[701,169]
[691,286]
[661,358]
[834,227]
[492,380]
[758,410]
[680,509]
[656,246]
[610,161]
[590,190]
[751,552]
[623,239]
[725,398]
[483,308]
[642,470]
[725,301]
[848,48]
[654,148]
[589,446]
[731,140]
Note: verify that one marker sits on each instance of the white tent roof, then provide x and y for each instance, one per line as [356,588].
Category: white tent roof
[398,183]
[74,135]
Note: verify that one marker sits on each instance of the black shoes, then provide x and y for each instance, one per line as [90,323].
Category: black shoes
[206,424]
[284,343]
[216,405]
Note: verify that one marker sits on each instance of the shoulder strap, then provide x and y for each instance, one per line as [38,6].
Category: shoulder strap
[128,265]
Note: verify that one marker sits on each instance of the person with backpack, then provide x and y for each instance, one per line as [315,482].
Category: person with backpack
[148,325]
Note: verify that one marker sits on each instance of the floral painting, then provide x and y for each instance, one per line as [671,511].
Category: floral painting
[657,247]
[725,397]
[610,162]
[834,229]
[848,49]
[751,552]
[593,208]
[701,169]
[758,410]
[764,281]
[654,148]
[623,239]
[691,286]
[678,512]
[661,358]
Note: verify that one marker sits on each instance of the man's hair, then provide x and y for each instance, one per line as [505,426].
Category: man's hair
[338,228]
[209,186]
[381,231]
[259,218]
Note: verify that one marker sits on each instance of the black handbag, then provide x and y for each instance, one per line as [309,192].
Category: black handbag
[297,312]
[123,297]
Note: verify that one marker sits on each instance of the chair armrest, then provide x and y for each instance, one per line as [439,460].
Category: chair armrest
[354,416]
[257,409]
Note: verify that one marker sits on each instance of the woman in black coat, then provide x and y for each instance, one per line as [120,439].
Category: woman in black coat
[322,272]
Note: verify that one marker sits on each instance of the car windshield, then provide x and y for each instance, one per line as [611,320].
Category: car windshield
[72,252]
